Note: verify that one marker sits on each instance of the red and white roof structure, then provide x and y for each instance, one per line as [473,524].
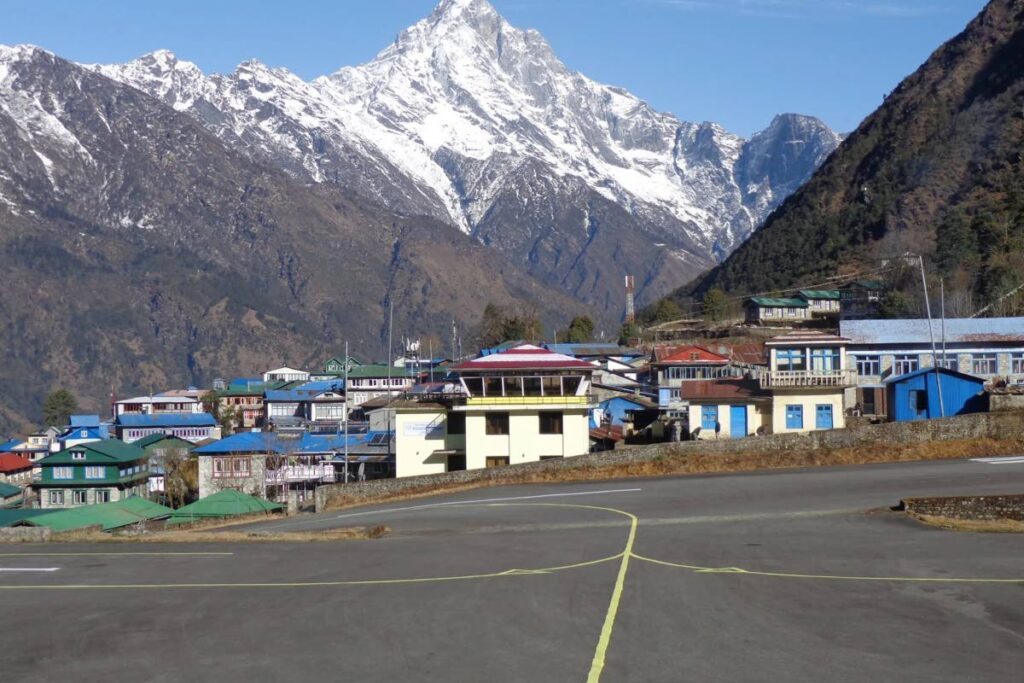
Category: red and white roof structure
[524,357]
[687,355]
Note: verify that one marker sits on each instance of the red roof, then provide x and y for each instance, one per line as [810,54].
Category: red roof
[11,462]
[611,433]
[689,355]
[524,357]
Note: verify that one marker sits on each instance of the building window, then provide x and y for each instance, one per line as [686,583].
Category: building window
[918,401]
[708,417]
[63,473]
[95,472]
[103,496]
[79,497]
[77,455]
[869,365]
[496,424]
[1017,364]
[790,359]
[550,422]
[949,362]
[794,417]
[457,423]
[825,360]
[901,365]
[984,364]
[56,497]
[496,461]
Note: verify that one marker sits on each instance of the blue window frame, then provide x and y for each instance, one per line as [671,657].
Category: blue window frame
[825,360]
[791,359]
[708,417]
[794,417]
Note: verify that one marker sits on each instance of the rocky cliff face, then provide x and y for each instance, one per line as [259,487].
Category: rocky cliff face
[936,170]
[470,120]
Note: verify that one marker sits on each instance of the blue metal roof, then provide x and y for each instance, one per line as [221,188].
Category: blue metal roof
[244,442]
[84,421]
[977,331]
[268,442]
[167,420]
[926,371]
[593,349]
[8,445]
[319,386]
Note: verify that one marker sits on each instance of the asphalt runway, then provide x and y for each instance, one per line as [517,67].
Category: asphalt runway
[794,575]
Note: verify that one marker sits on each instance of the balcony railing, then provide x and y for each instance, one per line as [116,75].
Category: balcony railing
[324,473]
[528,400]
[784,379]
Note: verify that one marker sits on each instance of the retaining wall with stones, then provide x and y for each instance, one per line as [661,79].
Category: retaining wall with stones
[25,534]
[989,508]
[999,426]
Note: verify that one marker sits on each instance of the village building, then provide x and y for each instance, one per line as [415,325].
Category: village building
[81,429]
[521,404]
[313,406]
[861,300]
[366,382]
[10,495]
[807,378]
[726,408]
[159,450]
[822,303]
[267,465]
[157,405]
[673,366]
[194,427]
[991,349]
[763,310]
[15,469]
[285,374]
[93,472]
[247,403]
[930,393]
[38,444]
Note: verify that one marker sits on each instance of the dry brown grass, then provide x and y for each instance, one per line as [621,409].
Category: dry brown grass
[999,526]
[207,535]
[685,462]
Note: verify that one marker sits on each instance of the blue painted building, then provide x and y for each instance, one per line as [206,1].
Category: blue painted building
[613,411]
[915,395]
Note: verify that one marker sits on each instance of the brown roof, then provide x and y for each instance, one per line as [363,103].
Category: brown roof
[721,389]
[688,354]
[11,462]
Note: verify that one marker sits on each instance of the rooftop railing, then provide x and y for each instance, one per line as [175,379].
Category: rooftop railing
[784,379]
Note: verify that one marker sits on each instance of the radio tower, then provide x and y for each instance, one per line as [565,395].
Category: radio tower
[630,310]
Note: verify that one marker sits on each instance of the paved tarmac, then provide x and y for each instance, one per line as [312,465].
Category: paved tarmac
[792,575]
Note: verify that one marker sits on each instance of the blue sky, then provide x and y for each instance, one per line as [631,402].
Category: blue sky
[736,62]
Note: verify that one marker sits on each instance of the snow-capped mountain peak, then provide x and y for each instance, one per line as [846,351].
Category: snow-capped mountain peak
[473,121]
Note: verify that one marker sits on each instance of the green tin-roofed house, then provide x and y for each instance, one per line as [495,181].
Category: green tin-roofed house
[10,495]
[107,516]
[95,472]
[766,310]
[821,302]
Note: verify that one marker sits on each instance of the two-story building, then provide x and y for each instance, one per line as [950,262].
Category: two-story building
[807,378]
[521,404]
[157,405]
[81,429]
[988,348]
[822,303]
[15,469]
[39,444]
[247,402]
[318,405]
[194,427]
[93,472]
[366,382]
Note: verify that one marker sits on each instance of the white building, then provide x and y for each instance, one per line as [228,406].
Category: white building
[156,405]
[285,374]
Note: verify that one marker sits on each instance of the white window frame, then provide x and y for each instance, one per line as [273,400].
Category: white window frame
[990,367]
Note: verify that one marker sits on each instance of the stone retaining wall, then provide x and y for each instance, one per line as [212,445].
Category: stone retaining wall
[25,534]
[999,426]
[988,508]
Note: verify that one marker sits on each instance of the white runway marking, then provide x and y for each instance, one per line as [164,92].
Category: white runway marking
[1004,460]
[29,569]
[453,502]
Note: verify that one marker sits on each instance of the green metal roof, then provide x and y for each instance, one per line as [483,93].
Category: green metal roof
[98,452]
[105,515]
[820,294]
[774,302]
[227,503]
[147,441]
[12,517]
[8,490]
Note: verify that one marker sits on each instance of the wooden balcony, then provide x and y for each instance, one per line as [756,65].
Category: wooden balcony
[797,379]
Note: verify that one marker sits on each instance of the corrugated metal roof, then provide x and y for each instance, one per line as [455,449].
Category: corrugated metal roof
[106,515]
[943,371]
[97,452]
[226,503]
[592,349]
[84,421]
[777,302]
[915,331]
[688,354]
[12,517]
[167,420]
[806,337]
[524,357]
[721,389]
[11,462]
[9,490]
[819,294]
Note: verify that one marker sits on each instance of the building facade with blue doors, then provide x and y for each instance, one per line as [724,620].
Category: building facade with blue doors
[915,395]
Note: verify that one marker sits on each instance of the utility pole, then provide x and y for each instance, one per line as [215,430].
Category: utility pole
[346,412]
[931,333]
